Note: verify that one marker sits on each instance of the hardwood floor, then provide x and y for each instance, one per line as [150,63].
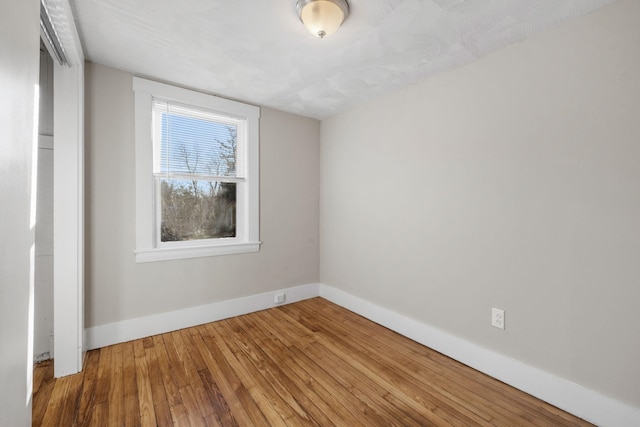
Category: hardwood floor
[308,363]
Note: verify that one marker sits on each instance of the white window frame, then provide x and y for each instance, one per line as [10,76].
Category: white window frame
[148,249]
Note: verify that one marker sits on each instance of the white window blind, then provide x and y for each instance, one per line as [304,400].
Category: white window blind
[193,143]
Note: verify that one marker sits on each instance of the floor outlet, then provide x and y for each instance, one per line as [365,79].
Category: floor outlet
[279,298]
[497,318]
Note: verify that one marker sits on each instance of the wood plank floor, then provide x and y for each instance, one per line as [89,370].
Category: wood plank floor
[310,363]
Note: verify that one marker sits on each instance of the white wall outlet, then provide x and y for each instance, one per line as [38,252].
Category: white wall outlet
[279,298]
[497,318]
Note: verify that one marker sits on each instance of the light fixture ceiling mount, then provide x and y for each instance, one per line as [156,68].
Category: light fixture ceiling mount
[322,17]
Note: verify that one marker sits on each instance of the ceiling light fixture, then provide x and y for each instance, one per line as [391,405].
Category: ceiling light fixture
[322,17]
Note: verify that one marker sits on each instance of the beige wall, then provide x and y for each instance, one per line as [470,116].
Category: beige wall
[19,53]
[513,182]
[118,289]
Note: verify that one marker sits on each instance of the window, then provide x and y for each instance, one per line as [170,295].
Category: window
[196,174]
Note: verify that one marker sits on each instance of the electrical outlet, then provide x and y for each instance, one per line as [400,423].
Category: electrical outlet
[279,298]
[497,318]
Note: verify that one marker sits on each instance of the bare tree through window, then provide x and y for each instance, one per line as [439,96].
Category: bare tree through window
[200,208]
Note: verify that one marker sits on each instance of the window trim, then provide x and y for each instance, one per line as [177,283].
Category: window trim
[146,248]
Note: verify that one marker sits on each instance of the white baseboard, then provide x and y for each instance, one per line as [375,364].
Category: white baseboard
[576,399]
[131,329]
[41,357]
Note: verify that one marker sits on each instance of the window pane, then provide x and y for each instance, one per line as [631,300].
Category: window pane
[197,209]
[189,141]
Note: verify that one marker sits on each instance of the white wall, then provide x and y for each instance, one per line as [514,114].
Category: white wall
[513,182]
[19,41]
[43,303]
[118,289]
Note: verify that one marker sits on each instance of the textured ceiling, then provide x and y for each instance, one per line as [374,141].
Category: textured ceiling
[258,51]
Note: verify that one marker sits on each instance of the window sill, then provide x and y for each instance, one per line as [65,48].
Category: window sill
[167,254]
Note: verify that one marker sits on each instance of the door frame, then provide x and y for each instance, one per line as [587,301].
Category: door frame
[68,193]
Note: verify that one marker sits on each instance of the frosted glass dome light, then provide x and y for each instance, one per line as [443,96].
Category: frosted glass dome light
[322,17]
